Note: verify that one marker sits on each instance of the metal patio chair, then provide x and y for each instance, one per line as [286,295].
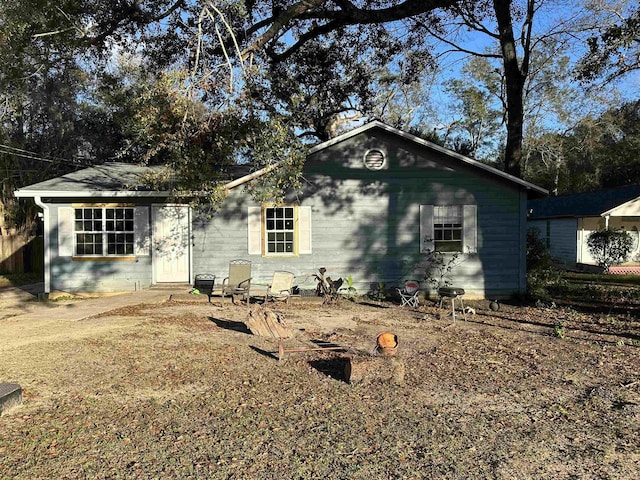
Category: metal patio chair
[281,286]
[238,281]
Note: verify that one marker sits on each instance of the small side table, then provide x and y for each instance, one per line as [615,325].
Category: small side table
[453,293]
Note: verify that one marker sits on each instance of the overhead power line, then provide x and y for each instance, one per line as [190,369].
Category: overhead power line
[19,152]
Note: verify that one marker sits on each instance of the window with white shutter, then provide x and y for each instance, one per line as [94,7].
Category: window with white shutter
[279,230]
[448,228]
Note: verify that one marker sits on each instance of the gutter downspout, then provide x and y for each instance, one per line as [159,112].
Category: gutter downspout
[47,250]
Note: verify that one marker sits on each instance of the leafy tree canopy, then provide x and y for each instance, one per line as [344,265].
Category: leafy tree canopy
[201,85]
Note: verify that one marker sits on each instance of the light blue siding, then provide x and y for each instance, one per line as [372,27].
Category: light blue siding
[560,237]
[366,223]
[69,275]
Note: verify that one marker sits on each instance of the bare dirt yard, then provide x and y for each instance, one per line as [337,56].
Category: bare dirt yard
[183,390]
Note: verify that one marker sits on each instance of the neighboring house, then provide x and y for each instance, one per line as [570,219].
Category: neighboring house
[374,201]
[565,222]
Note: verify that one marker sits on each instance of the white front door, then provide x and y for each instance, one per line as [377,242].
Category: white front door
[171,243]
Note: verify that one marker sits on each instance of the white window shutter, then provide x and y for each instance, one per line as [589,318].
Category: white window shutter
[66,217]
[142,232]
[254,224]
[304,230]
[470,229]
[427,242]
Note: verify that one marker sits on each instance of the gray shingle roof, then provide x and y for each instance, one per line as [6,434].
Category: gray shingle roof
[110,179]
[590,204]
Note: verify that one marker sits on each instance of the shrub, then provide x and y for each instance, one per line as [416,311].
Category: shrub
[537,254]
[540,273]
[609,247]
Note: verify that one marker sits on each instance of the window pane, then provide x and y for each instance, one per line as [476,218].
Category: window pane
[447,228]
[280,229]
[89,227]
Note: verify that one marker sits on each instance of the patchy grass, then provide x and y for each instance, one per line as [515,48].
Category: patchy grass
[182,391]
[592,278]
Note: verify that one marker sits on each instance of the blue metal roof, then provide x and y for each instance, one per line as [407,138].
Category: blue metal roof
[589,204]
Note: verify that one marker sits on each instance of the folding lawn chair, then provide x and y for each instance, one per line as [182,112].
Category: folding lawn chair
[409,293]
[281,286]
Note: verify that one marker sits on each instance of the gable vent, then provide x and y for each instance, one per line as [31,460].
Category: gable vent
[374,159]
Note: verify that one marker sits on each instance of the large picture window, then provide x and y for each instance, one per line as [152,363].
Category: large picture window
[104,231]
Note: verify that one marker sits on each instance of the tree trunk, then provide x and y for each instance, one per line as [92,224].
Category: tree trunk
[363,369]
[266,323]
[514,84]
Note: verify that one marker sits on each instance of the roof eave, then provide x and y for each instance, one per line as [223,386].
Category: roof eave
[26,193]
[611,211]
[87,193]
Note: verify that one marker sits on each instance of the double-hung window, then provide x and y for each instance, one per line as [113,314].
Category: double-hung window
[104,231]
[279,226]
[448,228]
[279,230]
